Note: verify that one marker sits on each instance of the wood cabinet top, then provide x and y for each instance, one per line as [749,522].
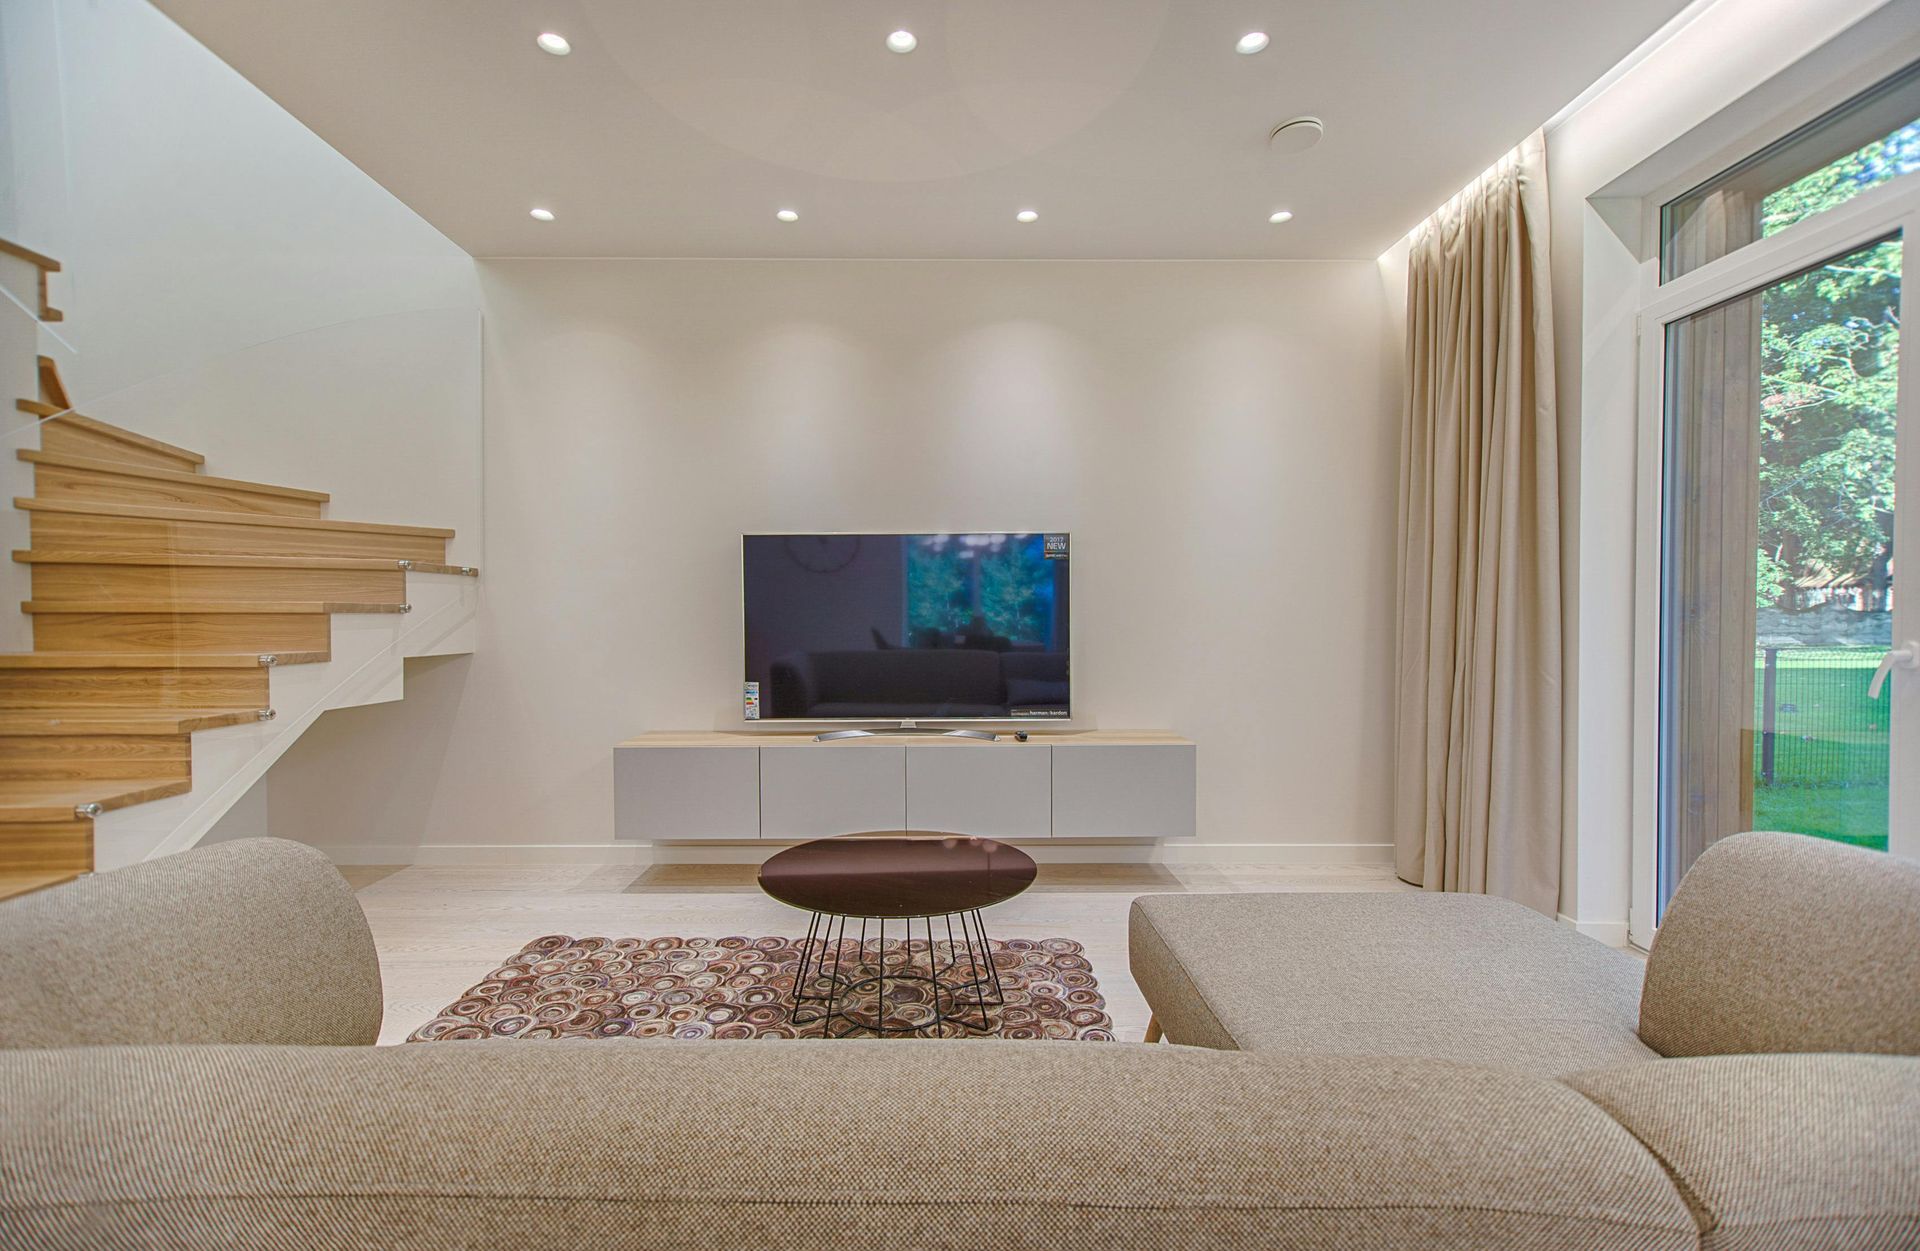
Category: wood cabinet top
[796,738]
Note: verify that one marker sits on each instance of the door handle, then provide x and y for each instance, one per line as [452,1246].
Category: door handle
[1907,657]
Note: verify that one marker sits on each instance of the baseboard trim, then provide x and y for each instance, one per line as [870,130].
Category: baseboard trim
[1377,854]
[455,855]
[1078,852]
[462,855]
[1612,933]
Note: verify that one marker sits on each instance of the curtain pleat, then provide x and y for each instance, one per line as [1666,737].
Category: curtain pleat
[1478,673]
[1713,488]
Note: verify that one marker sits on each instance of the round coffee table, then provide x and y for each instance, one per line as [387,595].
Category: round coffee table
[901,877]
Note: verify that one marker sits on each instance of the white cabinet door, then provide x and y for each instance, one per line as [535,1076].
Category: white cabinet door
[1115,791]
[990,791]
[818,790]
[686,793]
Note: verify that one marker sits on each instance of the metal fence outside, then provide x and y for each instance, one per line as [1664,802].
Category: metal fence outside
[1814,725]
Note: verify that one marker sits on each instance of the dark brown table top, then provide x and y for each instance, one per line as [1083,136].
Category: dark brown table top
[911,874]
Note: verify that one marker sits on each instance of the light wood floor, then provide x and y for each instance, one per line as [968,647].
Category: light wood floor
[441,930]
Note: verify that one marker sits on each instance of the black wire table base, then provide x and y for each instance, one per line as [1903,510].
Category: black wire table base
[931,988]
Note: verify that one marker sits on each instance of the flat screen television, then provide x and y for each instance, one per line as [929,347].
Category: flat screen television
[906,627]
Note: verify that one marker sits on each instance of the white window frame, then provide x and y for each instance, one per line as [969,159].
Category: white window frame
[1873,214]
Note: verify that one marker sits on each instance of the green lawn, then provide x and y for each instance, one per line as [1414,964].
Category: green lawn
[1830,748]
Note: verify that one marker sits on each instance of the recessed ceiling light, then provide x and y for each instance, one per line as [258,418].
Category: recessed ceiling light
[1282,216]
[1026,215]
[1251,42]
[556,44]
[540,215]
[787,215]
[902,41]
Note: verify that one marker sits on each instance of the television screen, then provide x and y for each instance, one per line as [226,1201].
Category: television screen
[894,627]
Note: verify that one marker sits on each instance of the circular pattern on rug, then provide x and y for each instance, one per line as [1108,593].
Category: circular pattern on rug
[564,987]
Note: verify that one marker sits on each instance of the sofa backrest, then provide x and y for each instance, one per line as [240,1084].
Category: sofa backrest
[254,941]
[1782,942]
[1780,1151]
[795,1145]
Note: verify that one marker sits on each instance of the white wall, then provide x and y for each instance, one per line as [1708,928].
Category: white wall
[1682,102]
[192,213]
[382,412]
[231,283]
[1220,439]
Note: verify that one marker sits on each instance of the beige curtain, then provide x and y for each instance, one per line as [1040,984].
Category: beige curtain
[1712,521]
[1478,690]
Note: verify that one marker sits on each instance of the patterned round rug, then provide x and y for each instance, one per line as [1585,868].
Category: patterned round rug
[563,987]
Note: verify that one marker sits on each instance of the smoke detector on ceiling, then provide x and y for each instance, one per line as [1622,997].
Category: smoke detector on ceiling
[1297,135]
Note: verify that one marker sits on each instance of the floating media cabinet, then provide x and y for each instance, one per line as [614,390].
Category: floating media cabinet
[723,785]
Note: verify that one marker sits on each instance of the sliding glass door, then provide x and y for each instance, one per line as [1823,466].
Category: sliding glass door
[1777,561]
[1780,683]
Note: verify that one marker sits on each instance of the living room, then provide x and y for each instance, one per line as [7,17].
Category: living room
[1250,625]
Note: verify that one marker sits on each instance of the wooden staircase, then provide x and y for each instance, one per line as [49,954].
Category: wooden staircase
[163,601]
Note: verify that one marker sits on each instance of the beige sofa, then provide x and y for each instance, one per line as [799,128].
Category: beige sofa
[183,1065]
[1772,943]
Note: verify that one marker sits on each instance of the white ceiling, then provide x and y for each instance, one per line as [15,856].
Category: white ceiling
[678,127]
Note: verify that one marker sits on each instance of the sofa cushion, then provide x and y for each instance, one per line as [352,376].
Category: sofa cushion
[808,1144]
[1790,1152]
[1455,977]
[1781,942]
[258,940]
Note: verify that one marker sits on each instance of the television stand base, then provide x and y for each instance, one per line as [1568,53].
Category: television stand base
[905,728]
[734,795]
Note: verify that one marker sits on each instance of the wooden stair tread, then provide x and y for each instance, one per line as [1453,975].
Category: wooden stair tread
[56,800]
[130,470]
[53,556]
[15,883]
[186,632]
[191,634]
[153,660]
[106,429]
[182,607]
[208,517]
[47,721]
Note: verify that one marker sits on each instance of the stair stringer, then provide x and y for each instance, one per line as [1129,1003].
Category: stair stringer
[369,651]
